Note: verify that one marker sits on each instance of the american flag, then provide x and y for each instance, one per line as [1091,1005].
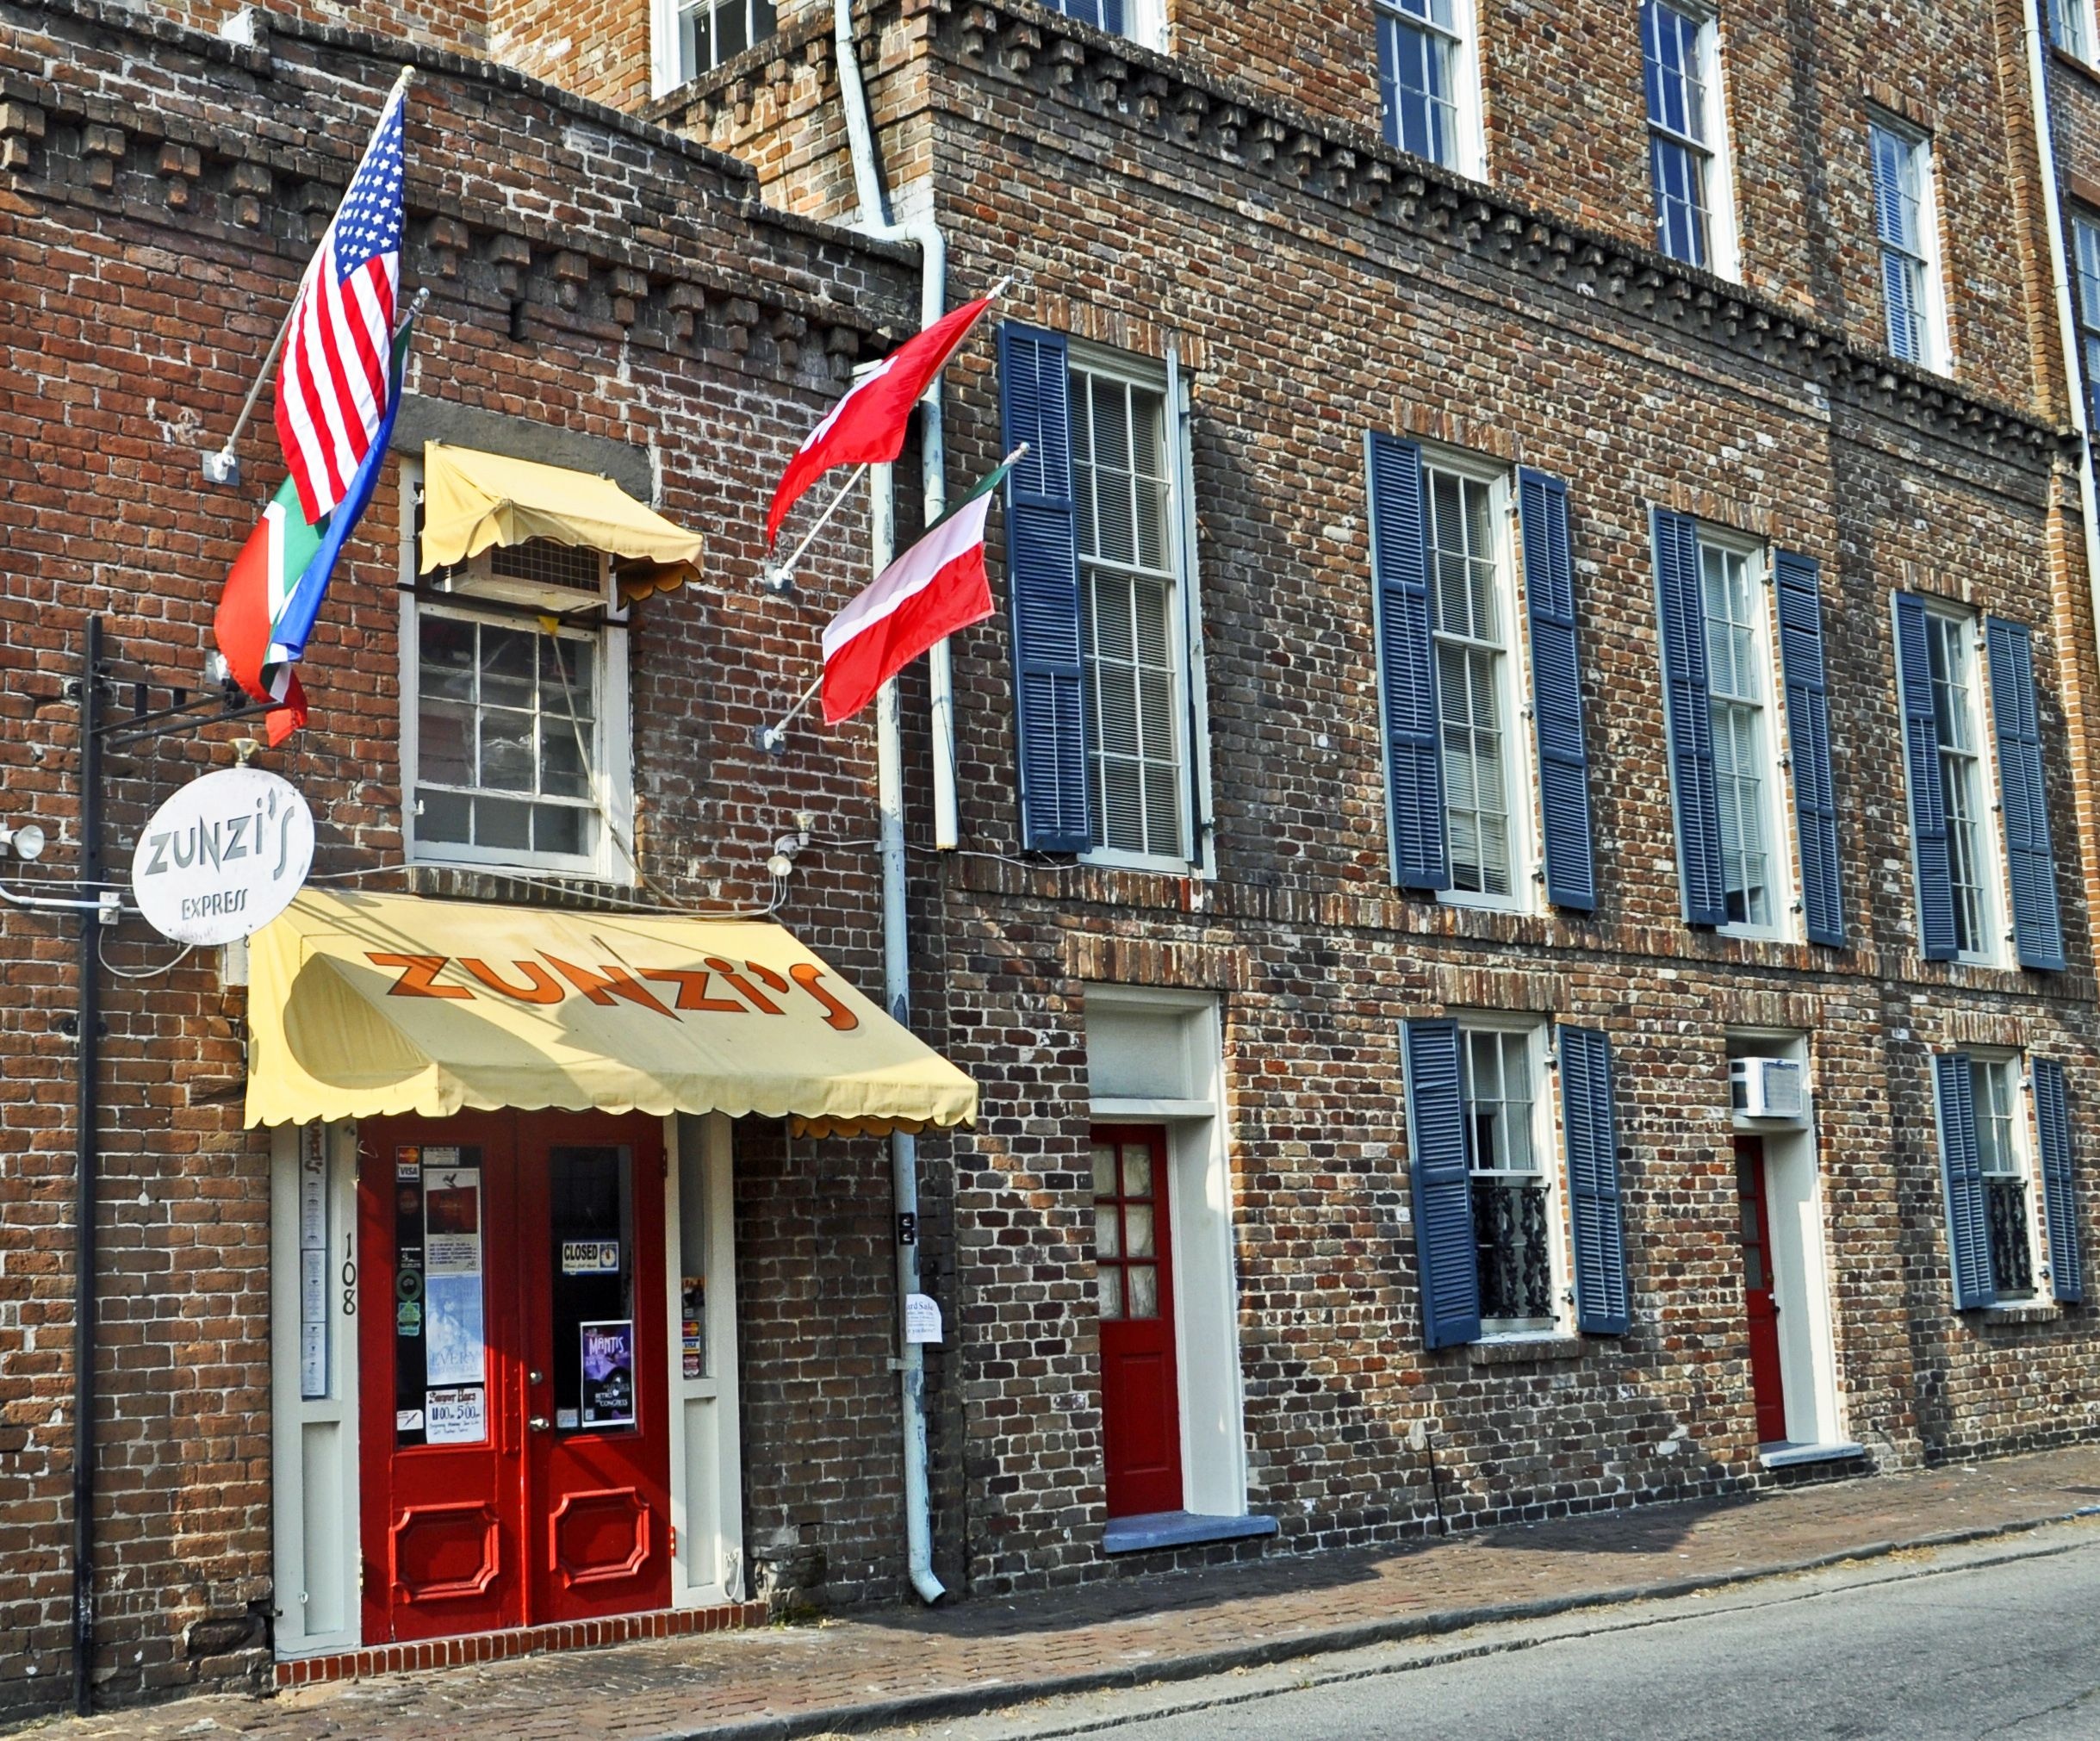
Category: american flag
[332,384]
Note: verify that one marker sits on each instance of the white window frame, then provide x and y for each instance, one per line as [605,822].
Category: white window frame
[1536,1032]
[1774,788]
[614,787]
[667,70]
[2085,268]
[1469,126]
[1935,346]
[2010,1067]
[1184,619]
[1724,241]
[2071,27]
[1513,692]
[1994,920]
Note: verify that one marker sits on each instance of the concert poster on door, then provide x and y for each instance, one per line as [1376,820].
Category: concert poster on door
[455,1341]
[608,1372]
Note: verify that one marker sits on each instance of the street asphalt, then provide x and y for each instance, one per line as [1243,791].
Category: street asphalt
[1998,1640]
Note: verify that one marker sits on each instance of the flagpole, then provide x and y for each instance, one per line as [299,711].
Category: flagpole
[223,467]
[772,738]
[780,577]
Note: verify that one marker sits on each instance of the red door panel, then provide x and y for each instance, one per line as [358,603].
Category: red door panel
[1767,1384]
[515,1454]
[1140,1398]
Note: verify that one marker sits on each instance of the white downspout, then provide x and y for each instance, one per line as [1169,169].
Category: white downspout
[890,797]
[2059,272]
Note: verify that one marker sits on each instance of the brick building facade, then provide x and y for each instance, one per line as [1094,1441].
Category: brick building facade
[1307,1201]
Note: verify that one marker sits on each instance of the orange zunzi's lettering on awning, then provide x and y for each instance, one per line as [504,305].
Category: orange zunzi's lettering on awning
[609,981]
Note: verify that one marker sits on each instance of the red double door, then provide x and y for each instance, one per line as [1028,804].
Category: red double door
[1140,1395]
[1768,1377]
[515,1447]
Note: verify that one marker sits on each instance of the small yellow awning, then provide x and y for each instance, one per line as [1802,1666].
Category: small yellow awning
[472,501]
[365,1005]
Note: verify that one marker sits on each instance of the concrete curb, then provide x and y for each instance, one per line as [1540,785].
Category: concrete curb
[971,1701]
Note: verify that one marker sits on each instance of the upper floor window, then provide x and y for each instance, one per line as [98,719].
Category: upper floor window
[514,740]
[1143,21]
[2071,27]
[1904,224]
[1137,735]
[1427,81]
[2085,237]
[1475,619]
[1688,135]
[1745,761]
[1957,721]
[709,32]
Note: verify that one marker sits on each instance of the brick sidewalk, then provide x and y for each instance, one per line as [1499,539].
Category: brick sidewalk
[899,1664]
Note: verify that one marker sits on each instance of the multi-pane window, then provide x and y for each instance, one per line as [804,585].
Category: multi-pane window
[2085,236]
[1127,1232]
[1426,79]
[2071,27]
[1903,222]
[507,732]
[1472,643]
[1679,61]
[1950,652]
[711,32]
[1743,761]
[1513,1200]
[1994,1087]
[1141,20]
[1120,464]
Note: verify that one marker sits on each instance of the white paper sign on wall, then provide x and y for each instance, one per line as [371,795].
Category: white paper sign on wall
[921,1319]
[223,856]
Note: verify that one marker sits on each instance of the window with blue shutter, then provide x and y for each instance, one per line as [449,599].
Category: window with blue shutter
[1557,691]
[2030,859]
[1968,1219]
[2059,1198]
[1406,664]
[1042,580]
[1436,1169]
[1921,743]
[1688,710]
[1602,1308]
[1797,580]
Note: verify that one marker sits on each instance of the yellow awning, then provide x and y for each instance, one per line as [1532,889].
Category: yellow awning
[364,1004]
[472,501]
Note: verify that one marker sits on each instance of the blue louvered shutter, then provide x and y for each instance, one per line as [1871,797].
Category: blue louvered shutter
[1798,582]
[2030,859]
[1443,1187]
[1968,1219]
[2059,1197]
[1921,743]
[1406,664]
[1557,691]
[1587,1115]
[1043,584]
[1688,706]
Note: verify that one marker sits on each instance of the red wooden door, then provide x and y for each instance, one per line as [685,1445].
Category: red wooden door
[1141,1399]
[597,1433]
[515,1453]
[1767,1385]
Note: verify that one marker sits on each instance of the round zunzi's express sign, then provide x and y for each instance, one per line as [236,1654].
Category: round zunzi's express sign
[223,856]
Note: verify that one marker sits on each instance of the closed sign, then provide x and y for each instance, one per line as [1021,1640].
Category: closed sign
[223,856]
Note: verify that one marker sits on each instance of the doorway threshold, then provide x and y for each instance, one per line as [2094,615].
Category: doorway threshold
[518,1641]
[1161,1529]
[1784,1454]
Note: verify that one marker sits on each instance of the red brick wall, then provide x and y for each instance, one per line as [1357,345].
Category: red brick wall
[162,192]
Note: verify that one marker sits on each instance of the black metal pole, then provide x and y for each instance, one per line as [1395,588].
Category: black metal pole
[87,1119]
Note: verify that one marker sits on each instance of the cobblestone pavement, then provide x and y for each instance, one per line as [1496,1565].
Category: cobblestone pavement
[897,1665]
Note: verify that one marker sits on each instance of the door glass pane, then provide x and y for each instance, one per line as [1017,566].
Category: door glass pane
[1109,1283]
[1144,1281]
[591,1287]
[1138,1226]
[440,1350]
[1108,1232]
[1137,1170]
[1105,1169]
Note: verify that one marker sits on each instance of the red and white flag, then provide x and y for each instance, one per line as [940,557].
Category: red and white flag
[868,427]
[935,587]
[332,384]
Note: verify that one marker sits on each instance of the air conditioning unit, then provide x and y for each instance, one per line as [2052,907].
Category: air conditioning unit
[1769,1088]
[540,573]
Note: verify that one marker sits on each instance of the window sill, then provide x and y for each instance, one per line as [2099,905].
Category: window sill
[2024,1312]
[1157,1529]
[1784,1455]
[1523,1350]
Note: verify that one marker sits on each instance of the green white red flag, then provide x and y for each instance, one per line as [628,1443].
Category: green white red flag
[935,587]
[265,574]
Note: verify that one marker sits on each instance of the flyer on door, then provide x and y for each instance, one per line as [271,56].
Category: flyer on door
[608,1372]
